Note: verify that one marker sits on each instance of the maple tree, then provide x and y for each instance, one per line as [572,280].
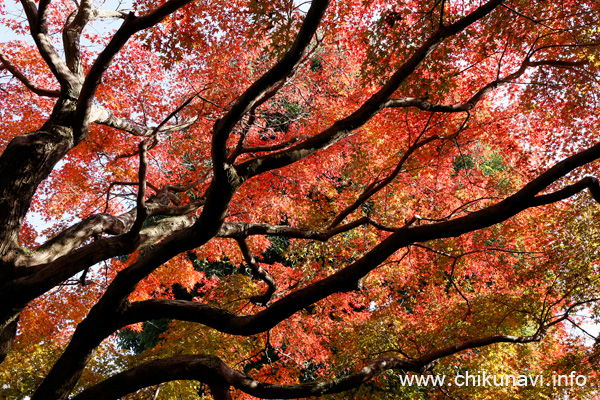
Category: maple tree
[283,200]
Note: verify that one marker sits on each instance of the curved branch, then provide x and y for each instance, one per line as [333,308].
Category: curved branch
[244,229]
[75,236]
[213,371]
[72,36]
[260,272]
[130,26]
[273,147]
[344,127]
[10,67]
[39,278]
[265,86]
[590,183]
[425,105]
[69,83]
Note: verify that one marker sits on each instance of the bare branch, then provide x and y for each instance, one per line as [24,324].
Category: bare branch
[62,257]
[10,67]
[70,84]
[211,369]
[344,127]
[257,270]
[102,116]
[265,86]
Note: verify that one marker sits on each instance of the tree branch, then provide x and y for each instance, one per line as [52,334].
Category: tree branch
[211,369]
[243,229]
[69,83]
[141,209]
[41,271]
[590,183]
[347,278]
[72,33]
[273,147]
[113,307]
[10,67]
[425,105]
[258,271]
[101,115]
[130,26]
[344,127]
[375,187]
[75,236]
[265,86]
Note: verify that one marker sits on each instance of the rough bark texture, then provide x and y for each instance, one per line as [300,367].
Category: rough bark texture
[29,159]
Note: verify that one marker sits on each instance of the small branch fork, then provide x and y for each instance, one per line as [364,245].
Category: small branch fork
[10,67]
[376,186]
[220,377]
[113,310]
[144,146]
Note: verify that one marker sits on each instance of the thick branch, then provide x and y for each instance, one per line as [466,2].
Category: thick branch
[343,128]
[265,85]
[72,34]
[51,270]
[211,370]
[273,147]
[425,105]
[589,183]
[8,332]
[69,83]
[73,237]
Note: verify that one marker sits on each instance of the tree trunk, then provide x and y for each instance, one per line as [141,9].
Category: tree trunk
[7,337]
[33,156]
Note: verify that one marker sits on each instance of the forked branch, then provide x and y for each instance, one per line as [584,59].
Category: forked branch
[259,272]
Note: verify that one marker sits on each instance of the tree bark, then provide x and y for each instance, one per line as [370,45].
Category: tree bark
[7,337]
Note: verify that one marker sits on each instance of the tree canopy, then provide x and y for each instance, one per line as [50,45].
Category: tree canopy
[282,199]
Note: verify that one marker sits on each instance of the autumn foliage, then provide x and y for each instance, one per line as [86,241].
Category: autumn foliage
[244,199]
